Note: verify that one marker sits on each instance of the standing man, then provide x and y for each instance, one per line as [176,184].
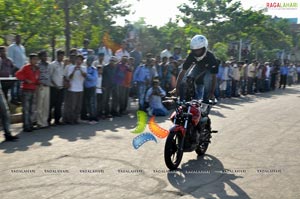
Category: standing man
[90,95]
[43,92]
[122,51]
[107,53]
[284,70]
[136,53]
[244,77]
[16,52]
[109,87]
[7,69]
[85,51]
[267,81]
[120,75]
[142,79]
[99,61]
[252,68]
[29,74]
[177,53]
[67,94]
[166,52]
[236,76]
[56,72]
[76,74]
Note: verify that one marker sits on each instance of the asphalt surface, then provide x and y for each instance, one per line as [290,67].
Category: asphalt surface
[256,154]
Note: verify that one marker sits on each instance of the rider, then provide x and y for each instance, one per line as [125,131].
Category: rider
[204,69]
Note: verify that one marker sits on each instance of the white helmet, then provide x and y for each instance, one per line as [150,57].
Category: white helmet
[198,42]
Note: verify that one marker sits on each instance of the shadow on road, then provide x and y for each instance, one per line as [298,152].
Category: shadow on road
[204,177]
[71,133]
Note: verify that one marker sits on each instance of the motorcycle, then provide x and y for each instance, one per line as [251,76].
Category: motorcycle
[191,131]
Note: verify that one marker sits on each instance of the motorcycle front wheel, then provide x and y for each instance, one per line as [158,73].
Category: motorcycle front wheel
[173,154]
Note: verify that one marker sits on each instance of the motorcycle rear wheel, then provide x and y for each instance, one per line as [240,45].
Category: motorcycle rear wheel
[202,147]
[173,154]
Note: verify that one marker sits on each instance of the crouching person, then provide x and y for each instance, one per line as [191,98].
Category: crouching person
[154,99]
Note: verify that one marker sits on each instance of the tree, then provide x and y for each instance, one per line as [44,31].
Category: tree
[44,22]
[226,21]
[220,51]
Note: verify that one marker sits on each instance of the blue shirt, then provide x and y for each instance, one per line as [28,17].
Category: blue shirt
[284,70]
[137,57]
[142,74]
[155,100]
[91,77]
[220,72]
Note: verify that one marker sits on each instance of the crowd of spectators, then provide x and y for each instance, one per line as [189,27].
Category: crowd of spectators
[92,85]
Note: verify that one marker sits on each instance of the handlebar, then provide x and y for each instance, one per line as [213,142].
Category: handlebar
[178,102]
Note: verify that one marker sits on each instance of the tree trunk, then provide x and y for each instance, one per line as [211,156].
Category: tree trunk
[67,26]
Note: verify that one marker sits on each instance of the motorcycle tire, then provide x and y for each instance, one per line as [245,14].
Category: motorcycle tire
[202,147]
[173,154]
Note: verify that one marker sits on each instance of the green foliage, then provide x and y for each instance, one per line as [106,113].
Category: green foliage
[40,22]
[226,21]
[220,50]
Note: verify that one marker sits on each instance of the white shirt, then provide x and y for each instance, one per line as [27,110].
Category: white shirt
[225,75]
[76,83]
[165,53]
[251,70]
[99,84]
[236,73]
[17,54]
[96,63]
[107,54]
[120,53]
[268,70]
[56,70]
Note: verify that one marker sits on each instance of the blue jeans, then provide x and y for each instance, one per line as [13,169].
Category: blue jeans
[243,85]
[217,90]
[4,113]
[91,102]
[228,88]
[141,92]
[160,112]
[16,91]
[203,90]
[27,108]
[267,85]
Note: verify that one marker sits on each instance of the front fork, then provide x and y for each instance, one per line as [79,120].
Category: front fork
[183,129]
[186,122]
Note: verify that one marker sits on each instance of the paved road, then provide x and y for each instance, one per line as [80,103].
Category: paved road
[255,155]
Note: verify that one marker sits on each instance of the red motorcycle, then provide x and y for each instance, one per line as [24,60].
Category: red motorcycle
[191,131]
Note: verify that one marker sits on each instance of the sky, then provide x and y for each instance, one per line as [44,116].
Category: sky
[158,13]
